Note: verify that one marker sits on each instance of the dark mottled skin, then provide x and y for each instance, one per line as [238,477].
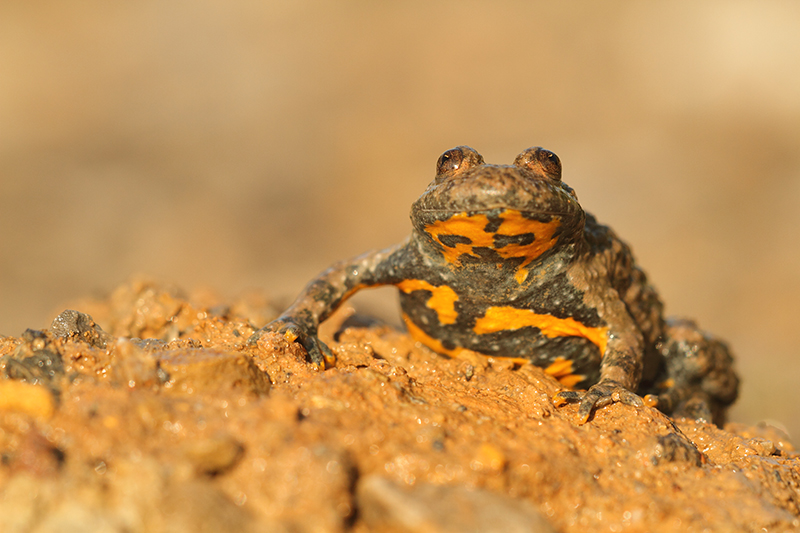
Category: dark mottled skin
[502,260]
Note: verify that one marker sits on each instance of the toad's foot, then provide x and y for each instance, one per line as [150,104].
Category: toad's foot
[319,353]
[599,395]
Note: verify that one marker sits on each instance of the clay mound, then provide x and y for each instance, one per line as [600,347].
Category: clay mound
[166,420]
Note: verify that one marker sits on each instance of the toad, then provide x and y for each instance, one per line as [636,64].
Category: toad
[502,260]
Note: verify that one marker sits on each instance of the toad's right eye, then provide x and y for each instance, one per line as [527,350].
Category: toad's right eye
[449,161]
[457,159]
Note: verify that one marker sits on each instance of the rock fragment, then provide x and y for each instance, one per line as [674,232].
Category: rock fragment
[72,324]
[214,455]
[384,506]
[202,370]
[27,398]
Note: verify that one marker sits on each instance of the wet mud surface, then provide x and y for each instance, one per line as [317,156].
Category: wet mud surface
[156,415]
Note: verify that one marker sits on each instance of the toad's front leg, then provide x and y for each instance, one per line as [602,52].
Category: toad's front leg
[321,297]
[621,366]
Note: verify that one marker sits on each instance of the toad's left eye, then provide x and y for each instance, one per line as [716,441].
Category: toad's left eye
[540,161]
[550,162]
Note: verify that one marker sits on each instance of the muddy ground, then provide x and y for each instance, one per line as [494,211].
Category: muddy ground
[160,417]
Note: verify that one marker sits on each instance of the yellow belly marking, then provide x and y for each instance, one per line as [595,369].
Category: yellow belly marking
[561,369]
[427,340]
[442,300]
[506,318]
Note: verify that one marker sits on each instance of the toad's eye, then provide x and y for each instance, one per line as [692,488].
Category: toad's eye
[449,161]
[540,161]
[458,158]
[551,163]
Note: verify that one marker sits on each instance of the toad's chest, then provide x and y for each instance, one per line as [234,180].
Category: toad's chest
[544,324]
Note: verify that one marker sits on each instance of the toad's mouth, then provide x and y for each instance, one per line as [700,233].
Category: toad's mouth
[492,209]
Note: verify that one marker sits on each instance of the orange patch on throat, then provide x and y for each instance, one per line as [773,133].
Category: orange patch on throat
[427,340]
[442,300]
[510,318]
[513,224]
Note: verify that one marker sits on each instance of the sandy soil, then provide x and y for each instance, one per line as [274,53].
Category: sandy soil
[191,429]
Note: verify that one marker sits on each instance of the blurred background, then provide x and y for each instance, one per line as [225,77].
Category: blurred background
[237,144]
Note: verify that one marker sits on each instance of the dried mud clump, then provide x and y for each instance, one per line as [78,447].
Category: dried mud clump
[165,420]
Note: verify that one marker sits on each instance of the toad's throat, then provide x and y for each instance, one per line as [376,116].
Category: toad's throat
[510,234]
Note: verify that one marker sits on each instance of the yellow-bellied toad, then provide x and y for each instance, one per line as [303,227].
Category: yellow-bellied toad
[502,260]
